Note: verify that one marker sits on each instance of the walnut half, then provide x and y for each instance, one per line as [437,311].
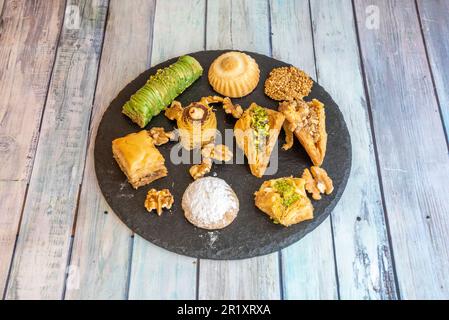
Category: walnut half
[199,170]
[234,109]
[158,200]
[161,137]
[218,152]
[317,182]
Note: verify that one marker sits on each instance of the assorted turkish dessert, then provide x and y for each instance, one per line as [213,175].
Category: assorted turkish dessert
[210,202]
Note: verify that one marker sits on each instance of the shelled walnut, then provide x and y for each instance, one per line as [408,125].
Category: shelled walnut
[234,109]
[158,200]
[317,182]
[160,136]
[218,152]
[199,170]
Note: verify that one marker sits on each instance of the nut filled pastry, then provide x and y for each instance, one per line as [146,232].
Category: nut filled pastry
[139,159]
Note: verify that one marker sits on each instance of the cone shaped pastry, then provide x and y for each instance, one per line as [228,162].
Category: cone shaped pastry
[308,121]
[256,133]
[197,123]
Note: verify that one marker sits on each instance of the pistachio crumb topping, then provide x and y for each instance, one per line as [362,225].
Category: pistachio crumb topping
[286,188]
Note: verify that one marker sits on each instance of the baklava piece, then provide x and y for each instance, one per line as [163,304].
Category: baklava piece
[139,159]
[307,121]
[285,201]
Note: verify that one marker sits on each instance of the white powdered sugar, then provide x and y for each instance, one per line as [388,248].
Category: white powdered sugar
[209,200]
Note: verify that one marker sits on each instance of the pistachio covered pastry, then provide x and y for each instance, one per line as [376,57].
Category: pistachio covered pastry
[256,133]
[161,89]
[285,200]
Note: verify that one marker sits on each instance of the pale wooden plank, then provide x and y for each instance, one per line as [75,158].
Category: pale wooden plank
[364,264]
[29,34]
[308,267]
[411,145]
[12,194]
[157,273]
[102,244]
[435,27]
[26,58]
[43,245]
[240,25]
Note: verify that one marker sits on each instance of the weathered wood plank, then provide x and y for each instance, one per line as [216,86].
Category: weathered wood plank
[364,264]
[102,244]
[44,241]
[157,273]
[27,48]
[240,25]
[29,33]
[411,145]
[12,194]
[435,27]
[308,267]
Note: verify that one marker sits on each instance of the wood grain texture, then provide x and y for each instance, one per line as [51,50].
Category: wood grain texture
[102,243]
[240,25]
[46,228]
[413,157]
[12,194]
[28,36]
[157,273]
[308,267]
[435,27]
[364,263]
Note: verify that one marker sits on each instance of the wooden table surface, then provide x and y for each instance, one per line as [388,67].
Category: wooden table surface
[386,63]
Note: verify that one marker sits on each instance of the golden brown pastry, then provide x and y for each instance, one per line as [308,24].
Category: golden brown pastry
[197,123]
[234,74]
[158,200]
[308,121]
[284,200]
[138,158]
[317,182]
[256,133]
[288,83]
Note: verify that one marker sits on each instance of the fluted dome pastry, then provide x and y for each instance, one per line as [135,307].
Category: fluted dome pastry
[234,74]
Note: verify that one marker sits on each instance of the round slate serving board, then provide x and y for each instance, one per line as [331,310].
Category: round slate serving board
[252,233]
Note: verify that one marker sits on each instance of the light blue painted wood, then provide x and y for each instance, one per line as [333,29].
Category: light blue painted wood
[308,267]
[28,41]
[362,250]
[40,258]
[157,273]
[99,267]
[21,68]
[435,27]
[411,145]
[240,25]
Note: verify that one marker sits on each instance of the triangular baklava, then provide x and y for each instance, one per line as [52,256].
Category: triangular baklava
[308,121]
[256,133]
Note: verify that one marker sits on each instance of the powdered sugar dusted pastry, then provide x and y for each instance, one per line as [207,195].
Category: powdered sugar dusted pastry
[234,74]
[210,203]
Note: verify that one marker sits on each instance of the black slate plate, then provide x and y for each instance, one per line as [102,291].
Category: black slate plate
[252,233]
